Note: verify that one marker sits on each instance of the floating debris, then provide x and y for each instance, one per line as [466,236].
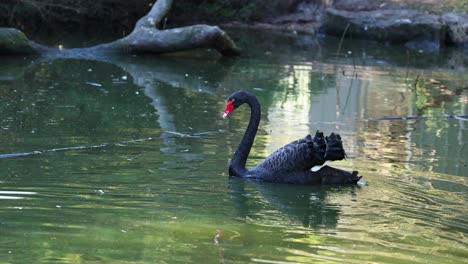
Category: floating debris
[193,135]
[219,233]
[391,118]
[103,145]
[132,158]
[182,134]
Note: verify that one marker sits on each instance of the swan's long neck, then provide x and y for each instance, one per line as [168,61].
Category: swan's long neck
[237,167]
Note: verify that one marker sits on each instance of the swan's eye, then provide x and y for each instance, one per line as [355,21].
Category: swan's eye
[229,108]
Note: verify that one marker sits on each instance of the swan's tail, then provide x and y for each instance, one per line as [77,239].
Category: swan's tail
[319,147]
[326,149]
[334,148]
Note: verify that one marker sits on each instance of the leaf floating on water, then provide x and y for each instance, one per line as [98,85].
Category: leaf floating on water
[219,233]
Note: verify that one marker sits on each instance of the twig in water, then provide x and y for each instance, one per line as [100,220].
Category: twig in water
[341,40]
[416,81]
[407,64]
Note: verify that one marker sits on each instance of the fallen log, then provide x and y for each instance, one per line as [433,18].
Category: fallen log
[146,37]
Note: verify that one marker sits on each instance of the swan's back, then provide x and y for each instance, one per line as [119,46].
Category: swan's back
[293,161]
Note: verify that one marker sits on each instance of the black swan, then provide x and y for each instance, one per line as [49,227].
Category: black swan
[293,162]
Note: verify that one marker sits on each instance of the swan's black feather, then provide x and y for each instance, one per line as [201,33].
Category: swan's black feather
[291,163]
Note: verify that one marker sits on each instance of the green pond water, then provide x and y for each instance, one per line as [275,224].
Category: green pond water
[125,160]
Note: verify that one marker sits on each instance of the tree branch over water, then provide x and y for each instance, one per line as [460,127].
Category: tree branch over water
[146,37]
[155,15]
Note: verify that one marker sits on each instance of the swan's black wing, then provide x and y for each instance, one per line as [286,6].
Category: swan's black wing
[303,154]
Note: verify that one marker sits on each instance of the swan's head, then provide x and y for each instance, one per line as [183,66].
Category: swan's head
[235,100]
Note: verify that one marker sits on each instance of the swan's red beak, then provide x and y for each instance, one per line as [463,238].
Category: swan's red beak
[229,108]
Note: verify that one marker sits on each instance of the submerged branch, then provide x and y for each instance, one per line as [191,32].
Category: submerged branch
[392,118]
[102,145]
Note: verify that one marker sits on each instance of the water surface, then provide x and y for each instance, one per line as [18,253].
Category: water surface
[125,160]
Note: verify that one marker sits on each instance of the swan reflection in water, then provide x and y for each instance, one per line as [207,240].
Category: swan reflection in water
[306,205]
